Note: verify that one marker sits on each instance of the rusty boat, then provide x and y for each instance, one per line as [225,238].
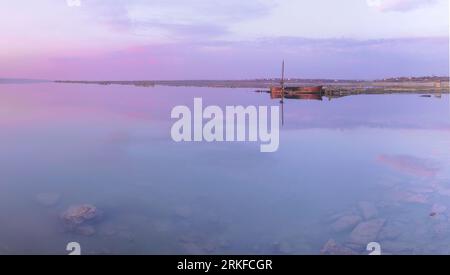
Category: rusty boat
[315,92]
[295,92]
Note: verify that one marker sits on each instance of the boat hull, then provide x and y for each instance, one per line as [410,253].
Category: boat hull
[276,92]
[305,96]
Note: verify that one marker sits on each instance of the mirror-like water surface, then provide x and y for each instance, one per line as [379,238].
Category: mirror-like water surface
[348,171]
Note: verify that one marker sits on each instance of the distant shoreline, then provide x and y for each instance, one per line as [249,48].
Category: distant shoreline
[22,81]
[397,85]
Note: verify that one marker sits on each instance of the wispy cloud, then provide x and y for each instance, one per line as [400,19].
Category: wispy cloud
[174,20]
[307,58]
[151,39]
[399,5]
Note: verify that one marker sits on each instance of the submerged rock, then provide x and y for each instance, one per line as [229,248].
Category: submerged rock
[438,209]
[368,210]
[333,248]
[391,231]
[48,199]
[345,223]
[78,215]
[366,232]
[335,216]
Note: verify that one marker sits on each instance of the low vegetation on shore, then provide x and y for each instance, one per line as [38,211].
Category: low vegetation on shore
[403,84]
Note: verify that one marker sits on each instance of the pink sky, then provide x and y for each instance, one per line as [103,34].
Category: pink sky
[212,39]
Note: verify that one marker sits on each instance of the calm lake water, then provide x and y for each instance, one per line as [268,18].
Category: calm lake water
[373,167]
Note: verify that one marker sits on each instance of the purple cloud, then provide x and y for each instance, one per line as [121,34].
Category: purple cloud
[398,5]
[306,58]
[177,21]
[209,39]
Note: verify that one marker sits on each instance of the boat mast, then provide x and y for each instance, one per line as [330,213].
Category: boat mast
[282,93]
[282,82]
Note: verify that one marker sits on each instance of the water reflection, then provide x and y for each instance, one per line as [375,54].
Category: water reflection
[359,168]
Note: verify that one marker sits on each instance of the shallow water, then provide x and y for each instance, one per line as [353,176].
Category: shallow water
[110,146]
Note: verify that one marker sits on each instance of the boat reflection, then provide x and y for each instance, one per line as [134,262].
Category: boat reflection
[315,96]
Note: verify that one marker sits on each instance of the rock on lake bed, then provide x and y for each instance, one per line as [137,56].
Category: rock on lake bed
[366,232]
[78,215]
